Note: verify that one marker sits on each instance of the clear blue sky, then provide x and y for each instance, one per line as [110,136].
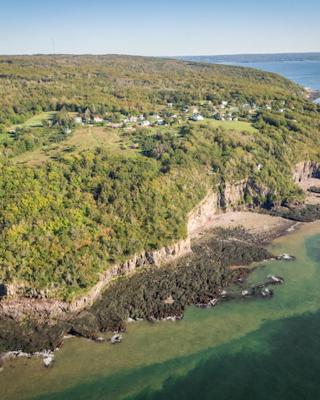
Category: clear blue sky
[159,27]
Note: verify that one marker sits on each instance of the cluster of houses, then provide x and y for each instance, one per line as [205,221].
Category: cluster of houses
[223,112]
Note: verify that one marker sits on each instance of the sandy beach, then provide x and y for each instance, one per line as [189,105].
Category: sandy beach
[311,198]
[263,225]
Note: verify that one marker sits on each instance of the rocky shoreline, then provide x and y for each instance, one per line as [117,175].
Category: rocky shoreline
[197,278]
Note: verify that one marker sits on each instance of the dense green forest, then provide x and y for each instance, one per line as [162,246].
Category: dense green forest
[75,199]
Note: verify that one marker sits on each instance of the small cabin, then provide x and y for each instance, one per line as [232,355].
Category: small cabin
[197,117]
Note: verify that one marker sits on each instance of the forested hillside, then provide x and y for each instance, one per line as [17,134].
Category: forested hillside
[102,157]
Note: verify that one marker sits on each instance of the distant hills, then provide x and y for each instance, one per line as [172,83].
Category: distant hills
[252,58]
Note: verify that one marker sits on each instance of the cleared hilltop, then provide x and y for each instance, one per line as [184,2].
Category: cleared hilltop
[103,157]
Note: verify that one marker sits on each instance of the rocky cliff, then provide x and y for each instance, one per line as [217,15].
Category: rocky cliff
[157,257]
[203,213]
[233,194]
[305,170]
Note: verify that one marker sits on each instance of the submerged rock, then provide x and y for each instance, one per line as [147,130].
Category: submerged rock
[84,324]
[48,359]
[266,292]
[99,339]
[275,280]
[286,257]
[117,338]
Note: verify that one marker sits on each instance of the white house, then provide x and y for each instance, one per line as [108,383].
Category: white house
[161,122]
[145,123]
[133,119]
[224,103]
[77,120]
[197,117]
[97,120]
[259,167]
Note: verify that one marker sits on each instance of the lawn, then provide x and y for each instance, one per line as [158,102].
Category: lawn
[35,121]
[238,126]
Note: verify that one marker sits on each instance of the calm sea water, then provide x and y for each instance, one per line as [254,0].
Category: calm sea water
[259,349]
[305,73]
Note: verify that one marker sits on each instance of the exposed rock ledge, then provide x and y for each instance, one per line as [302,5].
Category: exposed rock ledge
[305,170]
[157,257]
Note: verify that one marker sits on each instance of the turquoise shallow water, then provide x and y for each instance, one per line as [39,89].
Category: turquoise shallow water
[259,349]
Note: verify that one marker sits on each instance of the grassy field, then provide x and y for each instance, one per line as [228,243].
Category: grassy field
[89,137]
[83,138]
[35,121]
[238,126]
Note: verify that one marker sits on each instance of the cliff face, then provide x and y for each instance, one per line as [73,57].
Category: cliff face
[201,216]
[203,213]
[17,307]
[233,194]
[230,196]
[157,257]
[305,170]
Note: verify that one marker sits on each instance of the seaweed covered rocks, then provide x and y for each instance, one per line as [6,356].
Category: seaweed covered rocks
[30,336]
[159,293]
[299,213]
[153,293]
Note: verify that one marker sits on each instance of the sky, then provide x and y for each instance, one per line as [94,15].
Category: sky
[159,27]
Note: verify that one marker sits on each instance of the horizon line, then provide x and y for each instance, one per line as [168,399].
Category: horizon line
[162,56]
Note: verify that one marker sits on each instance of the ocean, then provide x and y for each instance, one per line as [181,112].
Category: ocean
[305,73]
[302,70]
[259,349]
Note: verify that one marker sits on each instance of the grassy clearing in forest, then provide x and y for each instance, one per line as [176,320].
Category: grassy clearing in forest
[84,138]
[35,121]
[239,126]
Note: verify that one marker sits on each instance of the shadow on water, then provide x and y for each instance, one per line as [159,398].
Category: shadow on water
[279,361]
[289,371]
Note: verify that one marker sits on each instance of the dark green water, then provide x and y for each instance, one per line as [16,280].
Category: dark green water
[260,349]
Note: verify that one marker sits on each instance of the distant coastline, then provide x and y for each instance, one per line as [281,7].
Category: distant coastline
[254,58]
[302,68]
